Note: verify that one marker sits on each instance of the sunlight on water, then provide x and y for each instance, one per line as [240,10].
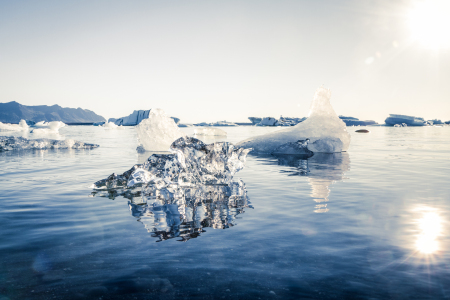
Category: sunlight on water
[430,229]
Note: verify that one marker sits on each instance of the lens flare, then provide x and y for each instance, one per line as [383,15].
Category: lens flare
[430,228]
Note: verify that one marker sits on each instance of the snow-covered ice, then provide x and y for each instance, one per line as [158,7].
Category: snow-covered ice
[111,125]
[22,126]
[47,127]
[9,143]
[210,131]
[325,131]
[157,132]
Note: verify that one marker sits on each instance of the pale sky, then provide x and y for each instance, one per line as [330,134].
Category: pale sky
[226,60]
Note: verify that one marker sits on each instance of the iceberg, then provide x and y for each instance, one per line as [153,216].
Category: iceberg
[46,128]
[210,131]
[110,125]
[394,119]
[325,131]
[22,126]
[157,132]
[135,118]
[9,143]
[267,121]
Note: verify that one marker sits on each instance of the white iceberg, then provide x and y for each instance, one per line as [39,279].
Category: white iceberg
[22,126]
[268,121]
[210,131]
[157,132]
[110,125]
[47,127]
[325,131]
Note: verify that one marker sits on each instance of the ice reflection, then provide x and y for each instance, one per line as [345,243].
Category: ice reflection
[430,228]
[185,212]
[322,170]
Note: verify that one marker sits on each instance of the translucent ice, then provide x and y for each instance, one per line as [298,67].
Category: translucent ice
[193,162]
[8,143]
[326,132]
[158,131]
[210,131]
[22,126]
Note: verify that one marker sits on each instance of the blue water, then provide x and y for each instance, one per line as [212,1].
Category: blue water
[372,223]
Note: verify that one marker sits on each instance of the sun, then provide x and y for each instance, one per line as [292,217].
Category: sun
[429,23]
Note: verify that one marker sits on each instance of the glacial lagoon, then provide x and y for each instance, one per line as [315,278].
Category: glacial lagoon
[370,223]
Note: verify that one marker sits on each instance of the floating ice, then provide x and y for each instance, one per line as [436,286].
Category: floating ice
[22,126]
[326,132]
[268,121]
[46,128]
[110,125]
[157,132]
[210,131]
[8,143]
[193,162]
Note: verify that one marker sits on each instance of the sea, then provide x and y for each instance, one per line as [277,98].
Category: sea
[370,223]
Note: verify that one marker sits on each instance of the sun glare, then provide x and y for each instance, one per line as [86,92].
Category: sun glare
[430,228]
[429,22]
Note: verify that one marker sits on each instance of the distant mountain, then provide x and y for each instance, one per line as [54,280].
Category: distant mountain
[13,112]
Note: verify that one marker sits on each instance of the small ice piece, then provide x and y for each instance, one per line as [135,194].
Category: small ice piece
[9,143]
[158,131]
[326,132]
[209,131]
[22,126]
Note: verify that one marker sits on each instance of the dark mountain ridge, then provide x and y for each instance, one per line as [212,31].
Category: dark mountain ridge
[13,112]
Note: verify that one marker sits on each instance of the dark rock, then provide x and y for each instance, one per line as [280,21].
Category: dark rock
[13,112]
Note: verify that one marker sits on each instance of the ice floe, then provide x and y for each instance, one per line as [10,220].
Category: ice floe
[325,131]
[9,143]
[210,131]
[22,126]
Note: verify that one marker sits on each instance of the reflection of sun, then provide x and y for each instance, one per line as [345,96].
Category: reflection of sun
[429,22]
[430,228]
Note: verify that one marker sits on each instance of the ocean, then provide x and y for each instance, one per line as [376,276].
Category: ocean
[370,223]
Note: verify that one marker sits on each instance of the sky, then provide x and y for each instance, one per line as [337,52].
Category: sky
[206,61]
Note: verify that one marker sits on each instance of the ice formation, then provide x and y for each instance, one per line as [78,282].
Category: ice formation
[22,126]
[326,132]
[9,143]
[192,162]
[176,195]
[210,131]
[47,127]
[157,132]
[135,118]
[110,125]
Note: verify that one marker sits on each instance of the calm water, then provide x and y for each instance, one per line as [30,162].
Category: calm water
[372,223]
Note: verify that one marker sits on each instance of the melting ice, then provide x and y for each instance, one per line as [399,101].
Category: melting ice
[325,131]
[191,162]
[157,132]
[22,126]
[176,195]
[47,127]
[8,143]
